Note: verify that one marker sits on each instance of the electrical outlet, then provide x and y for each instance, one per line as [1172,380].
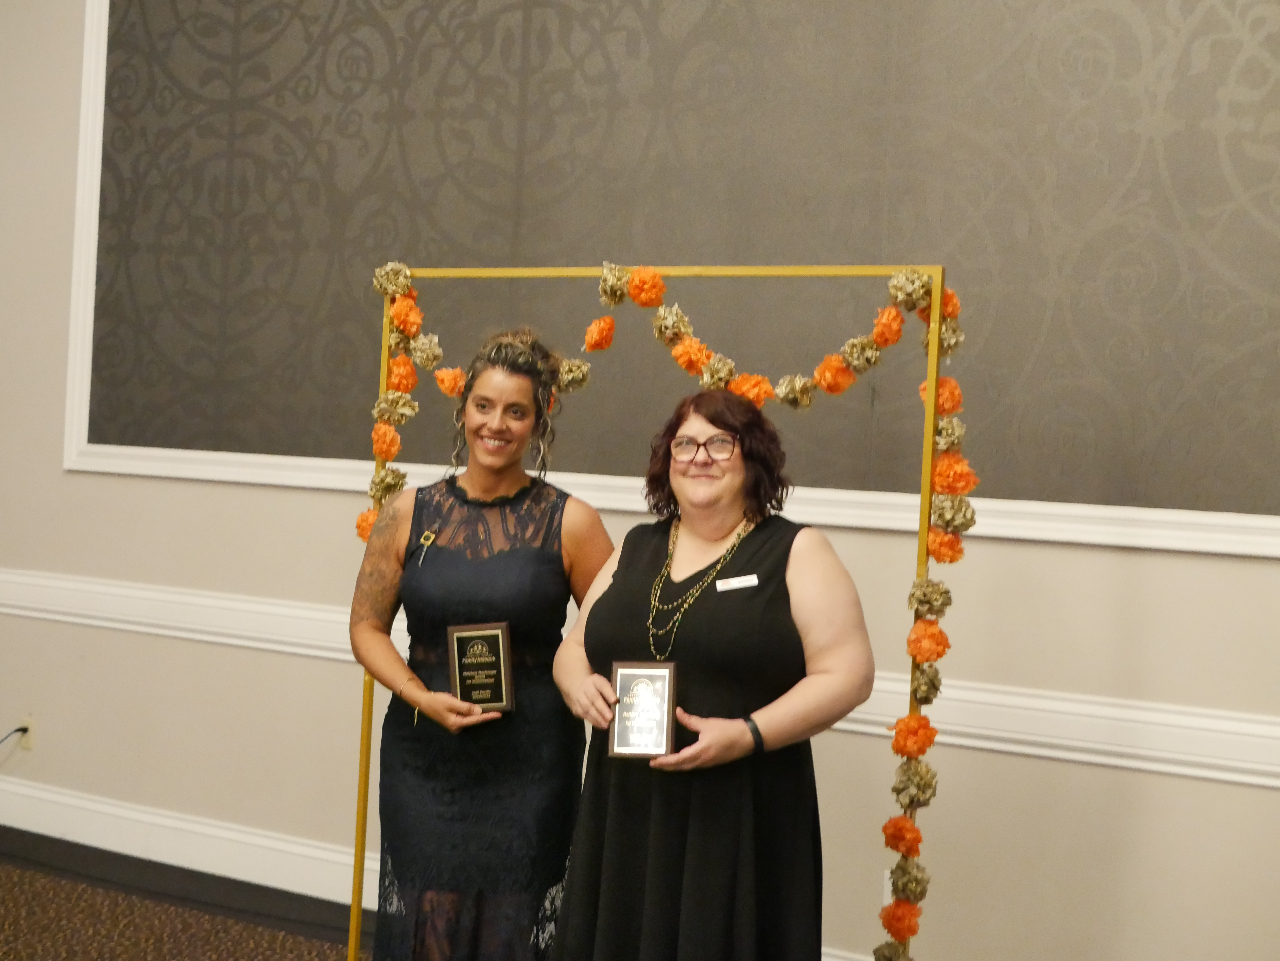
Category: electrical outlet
[24,741]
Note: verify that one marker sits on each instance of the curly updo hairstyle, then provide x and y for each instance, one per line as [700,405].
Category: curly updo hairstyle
[765,488]
[517,352]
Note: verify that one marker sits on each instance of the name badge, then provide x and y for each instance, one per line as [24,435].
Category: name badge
[735,583]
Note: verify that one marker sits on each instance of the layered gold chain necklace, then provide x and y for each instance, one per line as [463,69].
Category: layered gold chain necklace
[682,603]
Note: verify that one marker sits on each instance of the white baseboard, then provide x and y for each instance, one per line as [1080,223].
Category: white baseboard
[200,844]
[214,847]
[1167,738]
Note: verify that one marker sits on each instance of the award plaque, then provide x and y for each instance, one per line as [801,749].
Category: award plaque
[645,716]
[480,665]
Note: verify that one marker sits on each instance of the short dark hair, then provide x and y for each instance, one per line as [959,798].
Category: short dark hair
[766,486]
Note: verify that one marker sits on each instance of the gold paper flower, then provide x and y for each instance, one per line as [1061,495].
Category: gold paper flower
[394,407]
[424,348]
[671,326]
[910,288]
[928,598]
[860,353]
[952,512]
[574,373]
[392,279]
[717,372]
[950,337]
[926,682]
[795,391]
[613,284]
[385,483]
[891,951]
[950,433]
[910,880]
[915,784]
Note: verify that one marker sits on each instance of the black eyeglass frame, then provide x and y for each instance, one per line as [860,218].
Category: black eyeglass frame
[703,445]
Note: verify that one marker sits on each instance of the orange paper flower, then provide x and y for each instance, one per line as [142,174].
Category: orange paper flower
[927,642]
[691,354]
[888,329]
[943,547]
[646,287]
[406,316]
[832,375]
[754,387]
[451,381]
[950,399]
[950,306]
[600,334]
[901,919]
[386,442]
[365,522]
[411,294]
[902,835]
[952,474]
[913,735]
[401,374]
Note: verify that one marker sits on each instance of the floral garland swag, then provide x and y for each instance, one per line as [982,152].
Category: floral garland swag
[951,515]
[915,784]
[413,349]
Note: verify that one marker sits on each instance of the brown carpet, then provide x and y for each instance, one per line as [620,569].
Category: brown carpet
[45,918]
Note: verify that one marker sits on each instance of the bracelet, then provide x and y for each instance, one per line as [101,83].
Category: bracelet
[755,733]
[400,689]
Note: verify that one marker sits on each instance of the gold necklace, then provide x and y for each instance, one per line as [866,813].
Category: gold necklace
[681,604]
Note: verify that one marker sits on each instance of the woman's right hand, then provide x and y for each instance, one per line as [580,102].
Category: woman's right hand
[451,713]
[593,700]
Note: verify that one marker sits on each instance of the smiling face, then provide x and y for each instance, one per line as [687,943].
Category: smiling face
[499,419]
[704,482]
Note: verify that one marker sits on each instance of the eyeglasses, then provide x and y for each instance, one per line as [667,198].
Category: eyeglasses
[718,447]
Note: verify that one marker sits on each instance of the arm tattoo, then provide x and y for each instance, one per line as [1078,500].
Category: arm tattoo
[377,596]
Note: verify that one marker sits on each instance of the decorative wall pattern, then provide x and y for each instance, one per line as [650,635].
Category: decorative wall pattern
[1102,180]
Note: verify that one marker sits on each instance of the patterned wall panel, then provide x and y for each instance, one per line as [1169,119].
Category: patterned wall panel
[1102,180]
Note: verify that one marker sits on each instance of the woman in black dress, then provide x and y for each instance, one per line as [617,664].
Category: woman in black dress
[711,853]
[477,807]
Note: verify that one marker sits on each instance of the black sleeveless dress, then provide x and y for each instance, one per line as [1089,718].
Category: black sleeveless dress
[720,864]
[476,826]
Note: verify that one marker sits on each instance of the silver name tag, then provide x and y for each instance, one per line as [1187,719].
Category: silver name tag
[734,583]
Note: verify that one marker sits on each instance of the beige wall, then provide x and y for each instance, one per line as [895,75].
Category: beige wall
[1030,858]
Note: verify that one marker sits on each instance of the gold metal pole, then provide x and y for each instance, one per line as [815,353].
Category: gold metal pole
[366,723]
[801,270]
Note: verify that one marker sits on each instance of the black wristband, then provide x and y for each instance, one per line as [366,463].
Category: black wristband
[755,733]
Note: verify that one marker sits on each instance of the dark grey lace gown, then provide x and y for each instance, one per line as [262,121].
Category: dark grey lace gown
[476,826]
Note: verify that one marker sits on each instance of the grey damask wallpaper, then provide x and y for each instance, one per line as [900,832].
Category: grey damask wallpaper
[1102,180]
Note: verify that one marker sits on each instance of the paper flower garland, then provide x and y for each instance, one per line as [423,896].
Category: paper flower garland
[915,783]
[836,373]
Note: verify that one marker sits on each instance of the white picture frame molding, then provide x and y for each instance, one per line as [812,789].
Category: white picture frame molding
[1208,532]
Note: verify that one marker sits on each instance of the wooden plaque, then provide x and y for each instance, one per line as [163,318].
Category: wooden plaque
[644,719]
[480,665]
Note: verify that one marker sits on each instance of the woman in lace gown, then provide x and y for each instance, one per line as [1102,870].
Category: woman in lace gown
[477,808]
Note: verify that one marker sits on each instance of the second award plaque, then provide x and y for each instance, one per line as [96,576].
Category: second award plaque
[480,665]
[644,719]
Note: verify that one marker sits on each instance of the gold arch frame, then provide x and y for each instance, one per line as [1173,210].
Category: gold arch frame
[935,271]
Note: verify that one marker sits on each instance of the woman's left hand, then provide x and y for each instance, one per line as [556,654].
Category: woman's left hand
[720,740]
